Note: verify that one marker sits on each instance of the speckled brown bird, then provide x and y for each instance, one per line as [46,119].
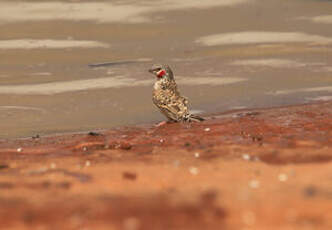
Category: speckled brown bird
[167,97]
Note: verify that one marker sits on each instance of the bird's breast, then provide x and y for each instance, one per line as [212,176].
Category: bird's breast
[157,86]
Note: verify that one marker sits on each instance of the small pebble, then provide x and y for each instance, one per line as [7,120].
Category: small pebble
[85,148]
[94,133]
[4,166]
[161,140]
[197,155]
[19,150]
[129,175]
[87,163]
[246,157]
[283,177]
[207,129]
[187,144]
[125,146]
[254,184]
[36,136]
[53,166]
[193,170]
[310,191]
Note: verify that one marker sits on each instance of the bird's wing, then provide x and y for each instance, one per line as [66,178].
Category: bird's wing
[177,106]
[170,112]
[170,102]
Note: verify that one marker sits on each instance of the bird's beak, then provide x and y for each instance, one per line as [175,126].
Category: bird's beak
[150,70]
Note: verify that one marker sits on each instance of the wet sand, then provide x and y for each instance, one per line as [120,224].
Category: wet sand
[247,169]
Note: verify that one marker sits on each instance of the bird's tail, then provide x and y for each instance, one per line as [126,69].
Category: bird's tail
[195,118]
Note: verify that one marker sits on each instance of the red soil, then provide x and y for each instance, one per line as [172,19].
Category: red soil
[260,169]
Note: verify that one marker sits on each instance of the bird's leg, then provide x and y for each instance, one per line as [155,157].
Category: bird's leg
[164,123]
[161,123]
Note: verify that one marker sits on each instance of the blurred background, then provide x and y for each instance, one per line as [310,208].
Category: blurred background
[226,54]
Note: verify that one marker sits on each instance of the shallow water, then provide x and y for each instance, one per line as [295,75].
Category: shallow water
[226,54]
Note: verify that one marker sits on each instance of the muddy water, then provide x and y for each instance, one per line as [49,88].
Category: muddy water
[226,54]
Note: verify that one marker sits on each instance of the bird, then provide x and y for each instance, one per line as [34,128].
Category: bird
[167,97]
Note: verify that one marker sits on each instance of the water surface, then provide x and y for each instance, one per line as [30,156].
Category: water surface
[226,54]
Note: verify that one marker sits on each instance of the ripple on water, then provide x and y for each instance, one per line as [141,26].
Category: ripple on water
[49,44]
[302,90]
[272,62]
[319,98]
[323,19]
[17,107]
[103,83]
[40,74]
[102,12]
[256,37]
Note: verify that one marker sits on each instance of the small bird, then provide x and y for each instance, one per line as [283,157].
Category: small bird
[167,97]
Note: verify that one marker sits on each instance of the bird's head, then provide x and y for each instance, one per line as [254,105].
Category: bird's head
[160,71]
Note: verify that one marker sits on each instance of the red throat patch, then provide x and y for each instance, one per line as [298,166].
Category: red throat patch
[161,73]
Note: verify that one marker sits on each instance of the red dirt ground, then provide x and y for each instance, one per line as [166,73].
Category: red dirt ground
[263,169]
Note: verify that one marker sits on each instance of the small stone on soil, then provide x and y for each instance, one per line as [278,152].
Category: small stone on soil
[4,166]
[310,191]
[197,155]
[129,175]
[254,184]
[193,170]
[87,163]
[53,166]
[246,157]
[207,129]
[125,146]
[36,136]
[19,150]
[187,144]
[94,134]
[282,177]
